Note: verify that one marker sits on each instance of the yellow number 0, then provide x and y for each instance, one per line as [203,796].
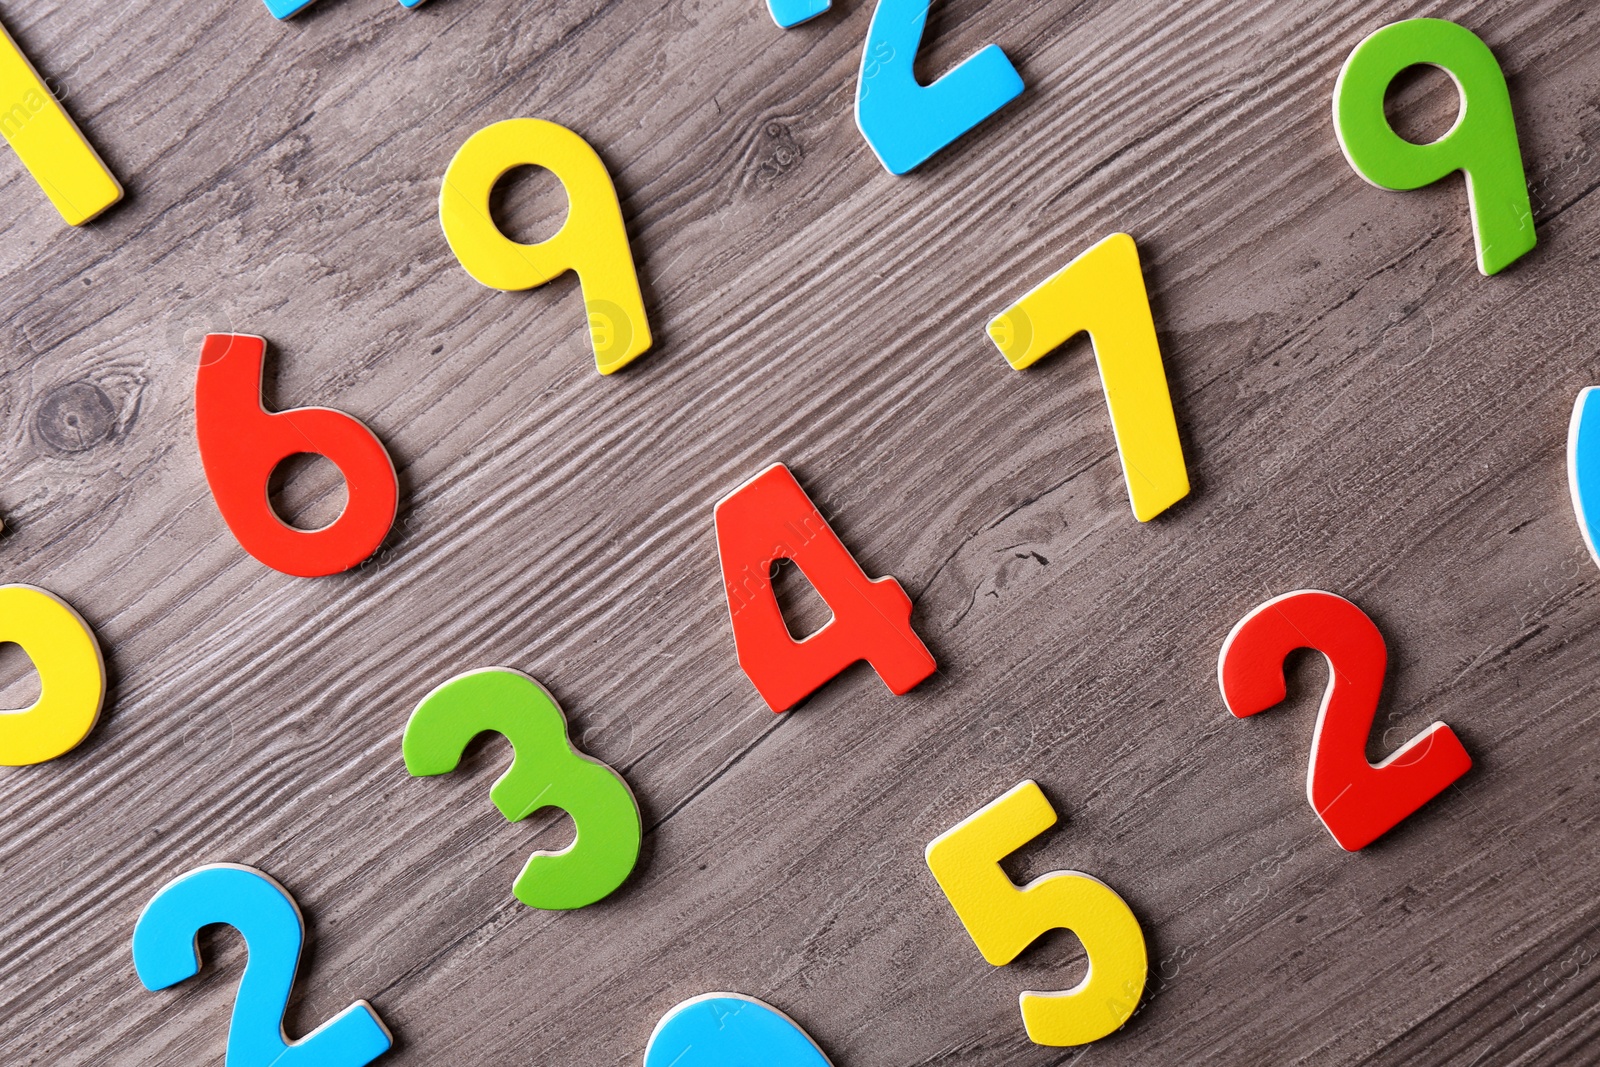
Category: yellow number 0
[1004,919]
[72,676]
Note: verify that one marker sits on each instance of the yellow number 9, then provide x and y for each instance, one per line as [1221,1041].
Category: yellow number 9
[593,241]
[72,676]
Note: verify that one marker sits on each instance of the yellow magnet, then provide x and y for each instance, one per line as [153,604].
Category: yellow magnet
[48,143]
[593,241]
[1004,919]
[1102,291]
[72,676]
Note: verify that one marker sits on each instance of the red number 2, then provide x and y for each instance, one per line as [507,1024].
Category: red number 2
[1357,801]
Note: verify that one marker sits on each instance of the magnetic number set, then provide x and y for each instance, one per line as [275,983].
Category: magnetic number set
[767,519]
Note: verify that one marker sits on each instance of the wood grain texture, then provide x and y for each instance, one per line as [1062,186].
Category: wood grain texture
[1361,411]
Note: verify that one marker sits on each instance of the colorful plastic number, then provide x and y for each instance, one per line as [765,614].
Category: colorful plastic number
[770,518]
[1482,143]
[906,122]
[546,771]
[1103,292]
[1004,919]
[282,9]
[49,143]
[1583,466]
[1357,802]
[730,1030]
[593,241]
[72,676]
[166,952]
[790,13]
[241,444]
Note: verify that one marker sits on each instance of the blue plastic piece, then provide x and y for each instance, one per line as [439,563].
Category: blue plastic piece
[165,952]
[1583,466]
[905,122]
[282,9]
[791,13]
[729,1030]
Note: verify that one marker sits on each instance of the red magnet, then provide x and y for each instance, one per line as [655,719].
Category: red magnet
[241,443]
[1357,801]
[770,518]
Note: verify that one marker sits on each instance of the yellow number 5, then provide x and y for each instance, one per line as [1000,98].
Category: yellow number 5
[1004,919]
[49,145]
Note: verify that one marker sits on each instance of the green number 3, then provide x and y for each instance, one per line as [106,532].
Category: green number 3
[1482,143]
[546,771]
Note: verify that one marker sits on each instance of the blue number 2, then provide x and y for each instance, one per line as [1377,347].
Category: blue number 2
[165,952]
[905,122]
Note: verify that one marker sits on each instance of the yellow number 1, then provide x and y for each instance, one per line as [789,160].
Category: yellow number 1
[49,144]
[1004,919]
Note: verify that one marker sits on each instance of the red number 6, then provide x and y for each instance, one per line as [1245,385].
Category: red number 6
[241,444]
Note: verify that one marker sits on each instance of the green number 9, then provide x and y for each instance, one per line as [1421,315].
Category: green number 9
[1482,143]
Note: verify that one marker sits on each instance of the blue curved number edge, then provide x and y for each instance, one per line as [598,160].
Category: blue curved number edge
[1583,466]
[905,122]
[730,1030]
[282,9]
[790,13]
[166,951]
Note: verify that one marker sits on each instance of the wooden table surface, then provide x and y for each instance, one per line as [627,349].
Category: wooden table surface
[1361,411]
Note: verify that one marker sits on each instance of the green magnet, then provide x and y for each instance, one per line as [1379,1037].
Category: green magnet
[1482,143]
[546,771]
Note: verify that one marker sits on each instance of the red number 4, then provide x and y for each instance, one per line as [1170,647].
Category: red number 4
[1357,801]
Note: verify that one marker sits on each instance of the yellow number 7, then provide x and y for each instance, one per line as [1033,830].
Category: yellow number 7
[49,144]
[1004,919]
